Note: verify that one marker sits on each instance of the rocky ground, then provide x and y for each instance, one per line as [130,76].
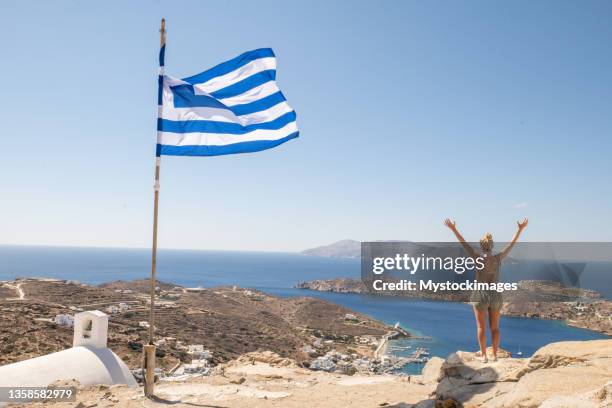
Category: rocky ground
[547,300]
[227,321]
[559,375]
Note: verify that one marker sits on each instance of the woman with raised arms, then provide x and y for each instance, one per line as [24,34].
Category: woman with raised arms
[485,301]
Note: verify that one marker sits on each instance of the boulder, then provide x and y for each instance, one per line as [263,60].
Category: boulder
[433,372]
[465,365]
[472,383]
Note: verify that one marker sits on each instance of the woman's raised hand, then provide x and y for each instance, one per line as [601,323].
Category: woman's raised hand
[522,224]
[449,223]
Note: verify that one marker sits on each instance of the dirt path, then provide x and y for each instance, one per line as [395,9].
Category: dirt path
[19,289]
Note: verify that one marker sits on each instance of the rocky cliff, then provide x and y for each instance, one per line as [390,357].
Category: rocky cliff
[560,375]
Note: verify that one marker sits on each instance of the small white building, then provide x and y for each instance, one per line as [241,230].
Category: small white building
[351,317]
[88,361]
[197,352]
[195,290]
[64,320]
[197,366]
[114,309]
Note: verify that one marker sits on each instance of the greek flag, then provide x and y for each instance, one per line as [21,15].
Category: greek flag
[235,107]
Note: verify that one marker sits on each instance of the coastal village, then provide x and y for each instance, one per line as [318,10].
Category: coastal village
[198,328]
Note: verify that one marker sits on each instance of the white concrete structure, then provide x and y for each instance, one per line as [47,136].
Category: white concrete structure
[88,361]
[85,364]
[90,329]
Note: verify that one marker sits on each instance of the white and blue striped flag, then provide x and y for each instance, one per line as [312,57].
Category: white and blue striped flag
[235,107]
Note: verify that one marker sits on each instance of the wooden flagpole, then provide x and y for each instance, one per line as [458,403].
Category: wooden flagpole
[149,350]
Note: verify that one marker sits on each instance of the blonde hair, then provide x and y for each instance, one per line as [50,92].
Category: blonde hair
[486,242]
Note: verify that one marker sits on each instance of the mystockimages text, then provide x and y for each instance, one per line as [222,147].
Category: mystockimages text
[413,264]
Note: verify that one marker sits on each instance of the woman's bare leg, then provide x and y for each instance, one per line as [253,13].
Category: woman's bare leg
[494,325]
[481,322]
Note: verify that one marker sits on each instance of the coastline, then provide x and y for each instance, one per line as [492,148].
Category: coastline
[426,333]
[584,309]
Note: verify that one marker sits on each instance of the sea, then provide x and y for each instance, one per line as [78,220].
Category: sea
[441,327]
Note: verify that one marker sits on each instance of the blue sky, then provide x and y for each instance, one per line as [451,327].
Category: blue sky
[409,112]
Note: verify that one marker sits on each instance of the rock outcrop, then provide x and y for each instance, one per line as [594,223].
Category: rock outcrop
[565,374]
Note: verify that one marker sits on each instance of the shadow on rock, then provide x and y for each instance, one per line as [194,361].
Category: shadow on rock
[461,379]
[462,382]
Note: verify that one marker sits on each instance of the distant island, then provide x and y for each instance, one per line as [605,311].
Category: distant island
[346,248]
[349,248]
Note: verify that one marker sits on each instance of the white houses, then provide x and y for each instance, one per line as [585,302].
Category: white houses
[197,352]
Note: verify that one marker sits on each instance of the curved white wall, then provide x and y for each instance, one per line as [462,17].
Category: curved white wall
[87,365]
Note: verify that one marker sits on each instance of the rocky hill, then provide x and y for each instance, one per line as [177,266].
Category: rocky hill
[559,375]
[346,248]
[227,321]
